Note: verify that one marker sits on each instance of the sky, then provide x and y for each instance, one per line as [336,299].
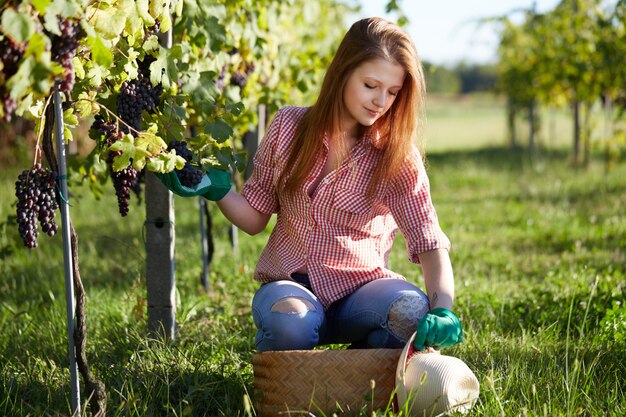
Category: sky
[446,32]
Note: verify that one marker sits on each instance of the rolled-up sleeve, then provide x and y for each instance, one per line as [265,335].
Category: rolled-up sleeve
[408,198]
[260,189]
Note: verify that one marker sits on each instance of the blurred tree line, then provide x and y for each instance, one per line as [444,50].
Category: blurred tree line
[462,78]
[572,56]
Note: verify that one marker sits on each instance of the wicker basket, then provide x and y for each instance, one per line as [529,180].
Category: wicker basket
[300,382]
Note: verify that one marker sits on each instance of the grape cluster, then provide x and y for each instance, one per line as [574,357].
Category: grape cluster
[188,176]
[127,179]
[11,53]
[123,182]
[63,50]
[240,77]
[135,97]
[36,200]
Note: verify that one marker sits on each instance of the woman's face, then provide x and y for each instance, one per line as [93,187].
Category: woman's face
[370,91]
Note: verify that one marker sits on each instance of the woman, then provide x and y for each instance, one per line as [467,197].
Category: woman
[343,176]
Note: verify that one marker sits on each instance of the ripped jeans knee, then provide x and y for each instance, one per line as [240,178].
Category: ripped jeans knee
[404,315]
[287,317]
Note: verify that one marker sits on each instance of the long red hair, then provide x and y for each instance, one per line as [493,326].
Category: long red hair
[394,132]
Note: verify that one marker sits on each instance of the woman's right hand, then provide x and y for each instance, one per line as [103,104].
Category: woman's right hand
[214,186]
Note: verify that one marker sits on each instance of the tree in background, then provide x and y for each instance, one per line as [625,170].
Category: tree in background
[571,55]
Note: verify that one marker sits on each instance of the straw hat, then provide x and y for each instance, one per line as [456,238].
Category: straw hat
[433,383]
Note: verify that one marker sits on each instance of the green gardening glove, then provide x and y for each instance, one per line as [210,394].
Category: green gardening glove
[440,328]
[214,186]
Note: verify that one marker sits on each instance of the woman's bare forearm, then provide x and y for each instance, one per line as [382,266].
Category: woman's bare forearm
[438,278]
[240,213]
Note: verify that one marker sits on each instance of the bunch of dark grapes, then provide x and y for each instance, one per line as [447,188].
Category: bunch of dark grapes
[188,176]
[123,182]
[36,200]
[135,97]
[154,29]
[240,77]
[11,53]
[127,179]
[63,50]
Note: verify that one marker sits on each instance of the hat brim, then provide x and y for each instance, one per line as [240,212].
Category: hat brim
[427,381]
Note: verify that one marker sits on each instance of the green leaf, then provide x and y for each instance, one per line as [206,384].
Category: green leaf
[236,108]
[79,69]
[96,75]
[219,130]
[164,69]
[127,146]
[144,12]
[151,44]
[85,106]
[100,53]
[69,118]
[18,26]
[40,5]
[67,134]
[109,23]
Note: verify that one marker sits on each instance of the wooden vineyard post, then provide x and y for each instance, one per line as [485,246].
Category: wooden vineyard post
[160,242]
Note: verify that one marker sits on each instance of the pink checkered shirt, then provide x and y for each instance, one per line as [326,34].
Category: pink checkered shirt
[342,237]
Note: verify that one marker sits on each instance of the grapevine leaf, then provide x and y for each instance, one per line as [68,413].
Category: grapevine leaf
[64,8]
[40,5]
[51,22]
[160,9]
[219,130]
[85,104]
[100,53]
[216,32]
[30,75]
[235,108]
[96,74]
[201,85]
[127,146]
[69,118]
[18,26]
[165,162]
[178,8]
[79,69]
[164,69]
[36,110]
[134,22]
[151,44]
[144,12]
[109,23]
[150,142]
[67,134]
[24,105]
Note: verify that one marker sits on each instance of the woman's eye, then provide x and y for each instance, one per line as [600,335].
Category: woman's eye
[369,86]
[393,94]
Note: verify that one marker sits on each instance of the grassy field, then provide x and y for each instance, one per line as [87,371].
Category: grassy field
[478,121]
[539,251]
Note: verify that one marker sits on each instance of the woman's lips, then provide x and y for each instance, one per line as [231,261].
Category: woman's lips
[371,112]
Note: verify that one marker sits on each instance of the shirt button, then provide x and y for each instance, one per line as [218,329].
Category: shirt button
[309,227]
[304,256]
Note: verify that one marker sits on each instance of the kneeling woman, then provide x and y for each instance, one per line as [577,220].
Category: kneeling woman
[343,176]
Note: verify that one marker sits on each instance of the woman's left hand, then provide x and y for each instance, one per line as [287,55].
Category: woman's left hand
[440,328]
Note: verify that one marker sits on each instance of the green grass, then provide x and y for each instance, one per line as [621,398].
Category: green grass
[478,121]
[539,251]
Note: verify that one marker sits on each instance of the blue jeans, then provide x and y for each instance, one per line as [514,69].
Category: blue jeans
[360,318]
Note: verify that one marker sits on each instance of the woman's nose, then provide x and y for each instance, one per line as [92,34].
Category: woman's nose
[379,100]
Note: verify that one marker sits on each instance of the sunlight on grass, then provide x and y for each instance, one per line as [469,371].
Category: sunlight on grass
[538,249]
